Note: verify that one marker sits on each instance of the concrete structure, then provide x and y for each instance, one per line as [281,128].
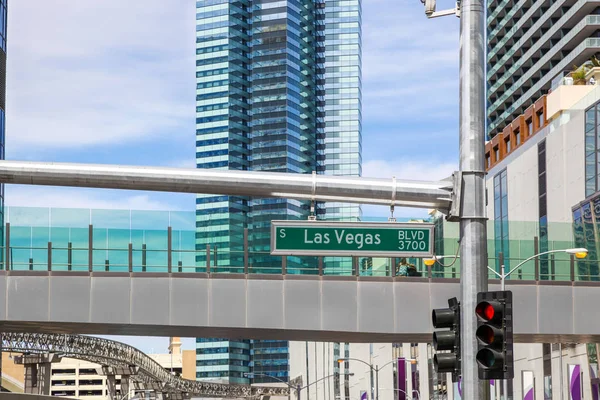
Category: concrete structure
[37,371]
[531,44]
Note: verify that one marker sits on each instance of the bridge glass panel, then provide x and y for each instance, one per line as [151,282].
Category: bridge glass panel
[117,253]
[183,253]
[156,249]
[147,231]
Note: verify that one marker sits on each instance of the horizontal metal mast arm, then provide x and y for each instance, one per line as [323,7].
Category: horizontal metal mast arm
[405,193]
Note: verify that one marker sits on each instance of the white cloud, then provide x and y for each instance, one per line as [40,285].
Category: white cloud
[405,168]
[410,64]
[83,73]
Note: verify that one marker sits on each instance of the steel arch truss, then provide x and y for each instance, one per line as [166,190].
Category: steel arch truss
[115,354]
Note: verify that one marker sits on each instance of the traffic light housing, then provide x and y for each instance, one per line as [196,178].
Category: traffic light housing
[447,340]
[494,333]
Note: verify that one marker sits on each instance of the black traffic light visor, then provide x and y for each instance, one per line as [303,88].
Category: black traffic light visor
[444,340]
[445,362]
[490,359]
[443,318]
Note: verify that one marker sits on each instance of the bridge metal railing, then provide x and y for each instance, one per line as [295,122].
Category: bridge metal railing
[210,260]
[130,241]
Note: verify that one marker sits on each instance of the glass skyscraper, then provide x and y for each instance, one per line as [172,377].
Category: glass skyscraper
[277,89]
[3,24]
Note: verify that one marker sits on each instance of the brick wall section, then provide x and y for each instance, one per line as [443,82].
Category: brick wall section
[496,149]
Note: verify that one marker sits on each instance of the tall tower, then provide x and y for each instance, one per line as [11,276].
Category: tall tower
[531,46]
[3,29]
[277,89]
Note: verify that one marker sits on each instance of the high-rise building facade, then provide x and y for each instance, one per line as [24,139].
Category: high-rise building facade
[531,46]
[3,30]
[277,89]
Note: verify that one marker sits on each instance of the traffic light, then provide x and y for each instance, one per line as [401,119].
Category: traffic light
[495,335]
[447,340]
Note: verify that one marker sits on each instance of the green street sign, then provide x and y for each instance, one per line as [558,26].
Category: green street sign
[379,239]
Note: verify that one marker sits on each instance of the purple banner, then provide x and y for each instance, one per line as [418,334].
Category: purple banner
[575,382]
[415,378]
[528,385]
[363,395]
[401,379]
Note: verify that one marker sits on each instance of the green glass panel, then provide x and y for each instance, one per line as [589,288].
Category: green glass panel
[115,219]
[80,241]
[183,220]
[69,217]
[184,252]
[149,219]
[156,250]
[28,216]
[100,249]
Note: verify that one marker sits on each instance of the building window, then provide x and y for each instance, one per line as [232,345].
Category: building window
[592,175]
[497,153]
[501,219]
[517,138]
[540,116]
[488,160]
[543,213]
[586,221]
[529,127]
[507,144]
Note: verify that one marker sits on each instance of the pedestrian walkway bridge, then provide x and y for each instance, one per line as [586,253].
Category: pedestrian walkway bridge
[292,307]
[142,272]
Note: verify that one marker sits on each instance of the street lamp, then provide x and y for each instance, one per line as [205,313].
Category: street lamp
[376,369]
[297,388]
[578,252]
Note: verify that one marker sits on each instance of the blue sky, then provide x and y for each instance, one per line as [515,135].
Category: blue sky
[112,81]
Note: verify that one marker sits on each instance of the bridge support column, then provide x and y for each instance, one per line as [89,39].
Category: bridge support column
[124,384]
[111,373]
[112,387]
[38,370]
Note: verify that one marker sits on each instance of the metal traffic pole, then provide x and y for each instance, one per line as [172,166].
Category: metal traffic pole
[473,232]
[472,215]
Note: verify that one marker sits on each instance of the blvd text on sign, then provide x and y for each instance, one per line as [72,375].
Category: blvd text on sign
[322,238]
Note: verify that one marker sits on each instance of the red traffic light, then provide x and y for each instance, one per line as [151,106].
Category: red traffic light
[494,334]
[489,311]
